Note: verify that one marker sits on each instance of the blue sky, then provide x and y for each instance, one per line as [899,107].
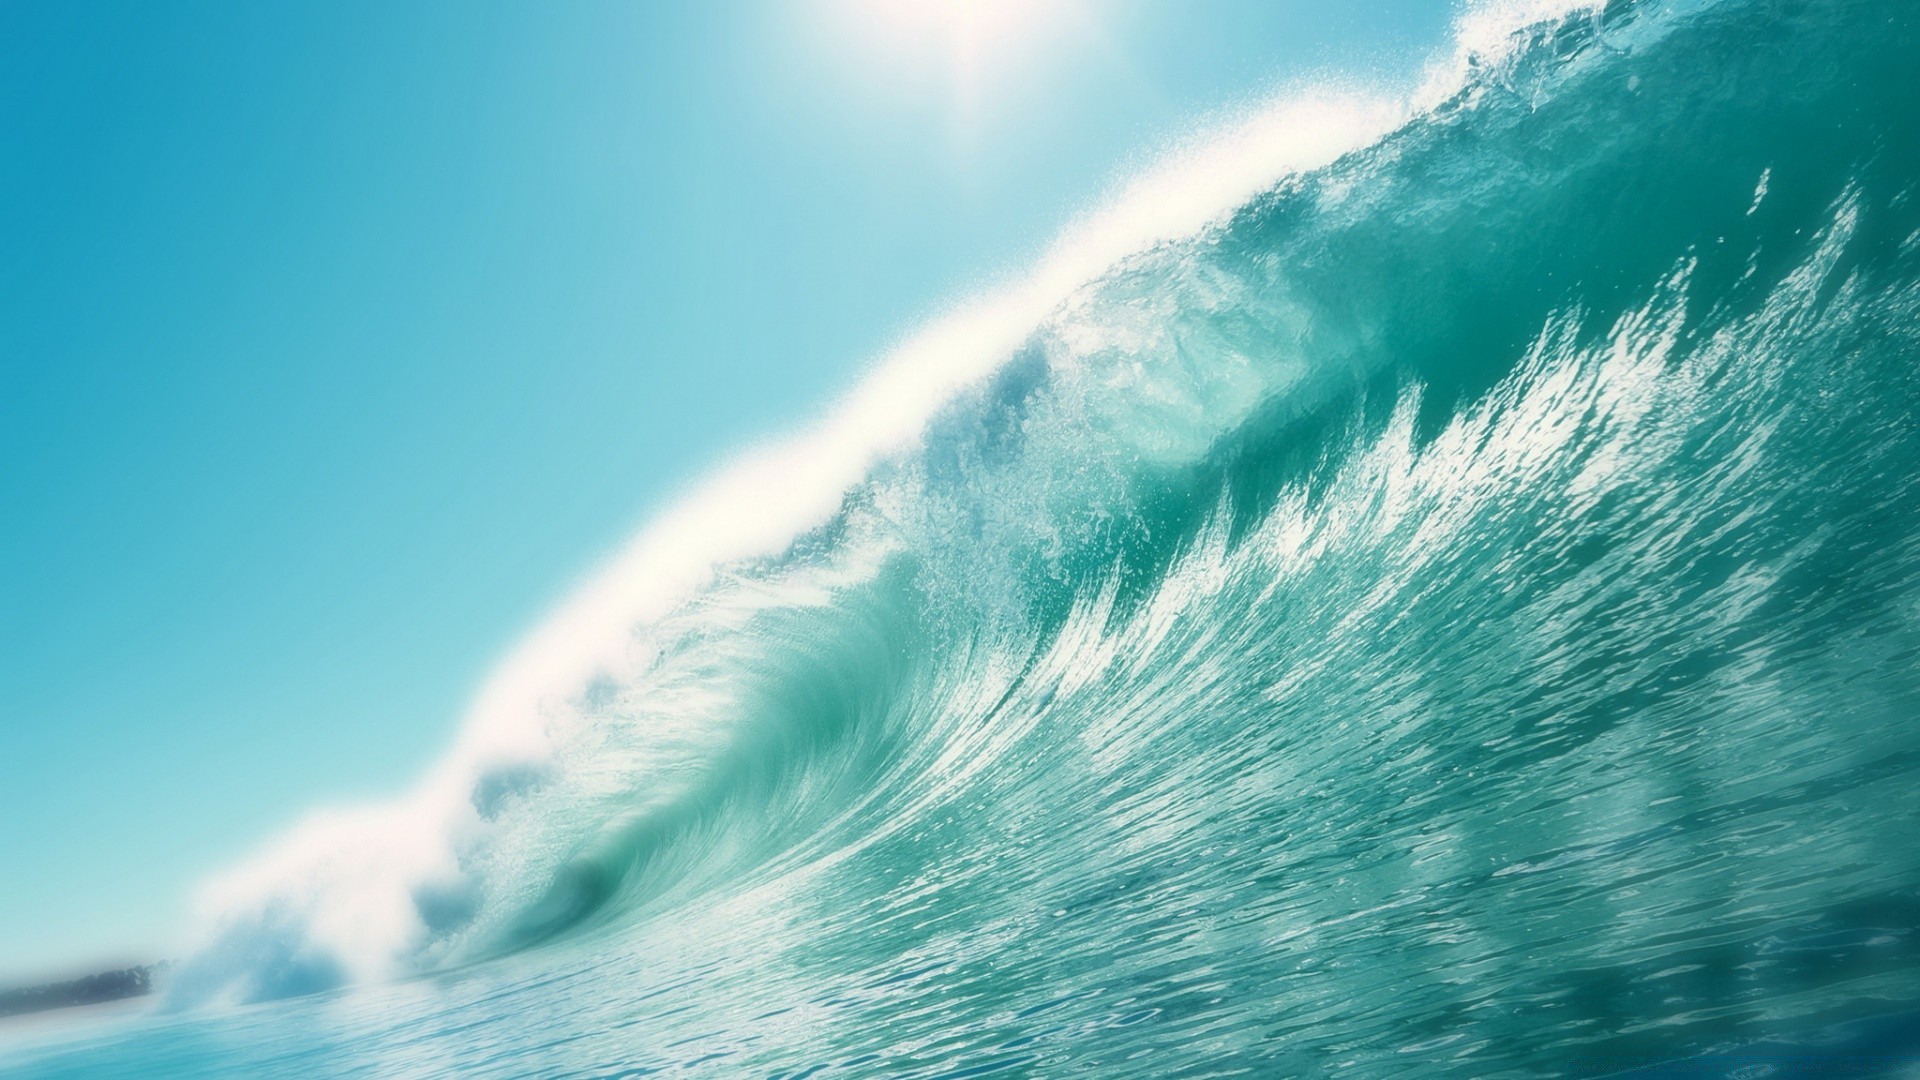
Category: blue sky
[338,340]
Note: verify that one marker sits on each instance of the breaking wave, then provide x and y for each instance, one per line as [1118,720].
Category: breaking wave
[1430,566]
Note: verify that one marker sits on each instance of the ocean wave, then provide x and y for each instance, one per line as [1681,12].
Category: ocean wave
[1446,507]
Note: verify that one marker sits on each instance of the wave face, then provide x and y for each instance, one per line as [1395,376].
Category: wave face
[1455,611]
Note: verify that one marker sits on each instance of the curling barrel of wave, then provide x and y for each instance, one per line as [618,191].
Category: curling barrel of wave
[1515,499]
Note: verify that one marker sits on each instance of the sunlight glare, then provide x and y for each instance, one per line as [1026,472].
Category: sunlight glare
[974,41]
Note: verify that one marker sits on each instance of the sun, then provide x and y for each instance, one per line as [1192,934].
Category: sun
[969,25]
[974,46]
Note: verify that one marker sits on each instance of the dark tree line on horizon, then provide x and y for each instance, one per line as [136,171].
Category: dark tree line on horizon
[90,990]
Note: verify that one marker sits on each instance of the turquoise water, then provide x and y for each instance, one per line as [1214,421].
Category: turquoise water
[1454,614]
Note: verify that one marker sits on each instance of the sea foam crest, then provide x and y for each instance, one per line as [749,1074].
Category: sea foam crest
[366,893]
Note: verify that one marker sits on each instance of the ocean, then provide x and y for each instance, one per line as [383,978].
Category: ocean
[1447,605]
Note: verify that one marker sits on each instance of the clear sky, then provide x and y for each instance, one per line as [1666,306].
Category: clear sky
[337,340]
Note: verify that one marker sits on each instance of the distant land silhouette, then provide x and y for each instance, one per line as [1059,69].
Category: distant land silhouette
[88,990]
